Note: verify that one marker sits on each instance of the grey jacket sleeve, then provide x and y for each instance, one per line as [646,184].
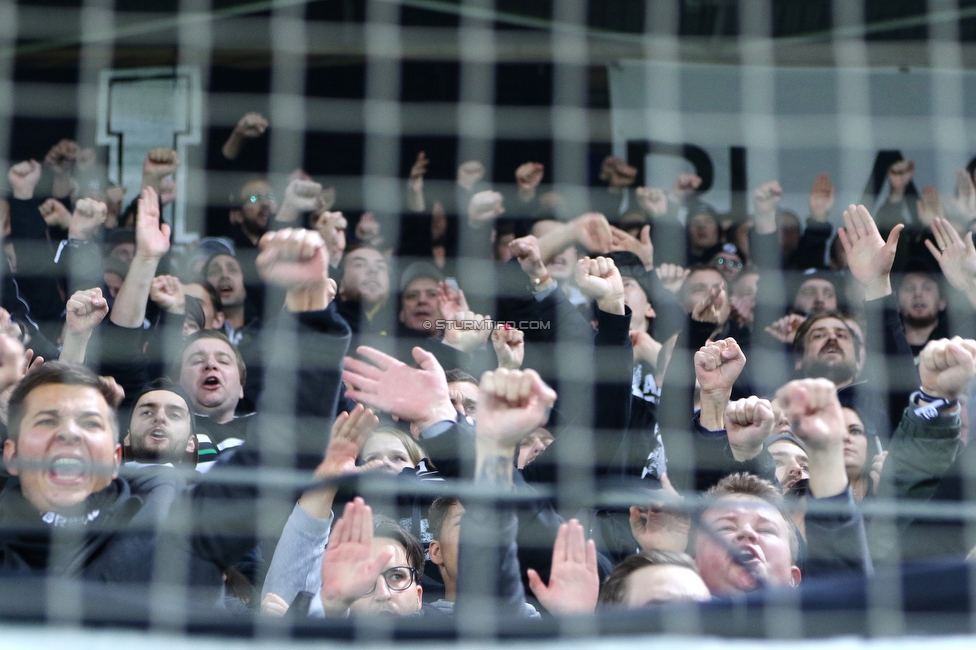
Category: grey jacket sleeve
[297,562]
[836,541]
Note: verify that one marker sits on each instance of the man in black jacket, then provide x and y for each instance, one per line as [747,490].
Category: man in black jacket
[67,513]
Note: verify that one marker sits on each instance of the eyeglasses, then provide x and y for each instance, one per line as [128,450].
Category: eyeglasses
[398,578]
[732,264]
[254,198]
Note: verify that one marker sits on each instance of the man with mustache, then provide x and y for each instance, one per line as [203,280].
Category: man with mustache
[826,346]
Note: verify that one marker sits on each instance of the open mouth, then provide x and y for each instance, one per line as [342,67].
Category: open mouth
[211,382]
[67,470]
[748,555]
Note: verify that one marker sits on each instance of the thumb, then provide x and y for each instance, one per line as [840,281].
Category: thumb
[426,360]
[635,517]
[166,230]
[536,584]
[375,566]
[645,235]
[893,236]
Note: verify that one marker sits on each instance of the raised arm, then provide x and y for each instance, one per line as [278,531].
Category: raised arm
[592,230]
[836,541]
[83,312]
[869,256]
[152,242]
[717,365]
[250,126]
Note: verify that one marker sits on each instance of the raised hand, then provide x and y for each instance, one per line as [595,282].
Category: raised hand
[929,206]
[509,344]
[416,395]
[274,605]
[87,218]
[326,199]
[332,226]
[592,230]
[617,173]
[526,251]
[658,526]
[821,197]
[485,207]
[298,260]
[417,172]
[349,434]
[956,257]
[877,468]
[642,248]
[61,157]
[467,331]
[528,176]
[685,185]
[55,214]
[713,308]
[85,310]
[748,422]
[818,421]
[451,300]
[152,238]
[167,292]
[964,203]
[301,195]
[23,178]
[784,329]
[869,257]
[251,125]
[159,162]
[718,364]
[652,201]
[574,584]
[348,569]
[672,276]
[899,176]
[946,366]
[512,404]
[599,279]
[765,200]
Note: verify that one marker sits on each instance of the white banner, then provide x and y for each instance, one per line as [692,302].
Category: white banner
[751,124]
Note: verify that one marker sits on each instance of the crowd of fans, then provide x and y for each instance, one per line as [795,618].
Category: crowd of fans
[751,379]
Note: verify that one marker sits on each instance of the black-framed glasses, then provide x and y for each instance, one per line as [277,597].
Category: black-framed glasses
[731,263]
[398,578]
[254,198]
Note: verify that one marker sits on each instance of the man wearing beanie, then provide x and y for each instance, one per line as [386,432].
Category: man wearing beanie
[161,428]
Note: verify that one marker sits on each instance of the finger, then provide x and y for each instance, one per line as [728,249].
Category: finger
[576,542]
[591,564]
[380,360]
[375,567]
[845,241]
[849,223]
[536,584]
[427,361]
[636,520]
[338,431]
[893,235]
[935,250]
[362,369]
[560,548]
